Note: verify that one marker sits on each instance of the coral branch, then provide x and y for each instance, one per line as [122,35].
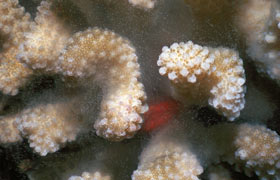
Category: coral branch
[260,23]
[49,126]
[167,158]
[111,60]
[199,74]
[252,148]
[13,23]
[44,42]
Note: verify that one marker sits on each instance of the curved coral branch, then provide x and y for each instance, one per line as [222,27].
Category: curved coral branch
[48,127]
[44,42]
[200,74]
[111,60]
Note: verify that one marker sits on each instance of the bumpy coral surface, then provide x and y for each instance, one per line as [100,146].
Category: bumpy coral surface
[260,23]
[48,126]
[44,42]
[109,59]
[200,74]
[90,176]
[13,23]
[167,158]
[148,4]
[8,130]
[258,150]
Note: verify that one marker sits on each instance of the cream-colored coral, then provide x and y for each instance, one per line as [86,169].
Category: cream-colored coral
[148,4]
[8,130]
[167,158]
[49,126]
[13,23]
[44,42]
[260,23]
[258,150]
[109,59]
[252,148]
[13,74]
[91,176]
[201,74]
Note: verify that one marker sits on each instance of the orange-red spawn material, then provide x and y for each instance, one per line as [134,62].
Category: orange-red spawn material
[160,113]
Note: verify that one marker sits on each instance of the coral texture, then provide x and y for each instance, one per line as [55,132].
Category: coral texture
[90,176]
[45,41]
[260,23]
[48,127]
[8,130]
[200,74]
[166,158]
[251,148]
[13,23]
[110,60]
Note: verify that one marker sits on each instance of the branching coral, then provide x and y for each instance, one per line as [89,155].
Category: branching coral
[200,73]
[148,4]
[49,126]
[166,158]
[13,23]
[44,42]
[109,59]
[259,21]
[252,148]
[89,176]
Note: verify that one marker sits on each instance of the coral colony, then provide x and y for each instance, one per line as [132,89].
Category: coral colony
[167,141]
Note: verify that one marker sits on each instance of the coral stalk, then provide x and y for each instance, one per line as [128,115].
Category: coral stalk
[109,59]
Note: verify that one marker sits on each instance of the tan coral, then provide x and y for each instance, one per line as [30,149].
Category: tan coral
[148,4]
[13,23]
[91,176]
[50,126]
[109,59]
[201,74]
[167,158]
[252,148]
[258,150]
[13,74]
[260,23]
[44,42]
[8,130]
